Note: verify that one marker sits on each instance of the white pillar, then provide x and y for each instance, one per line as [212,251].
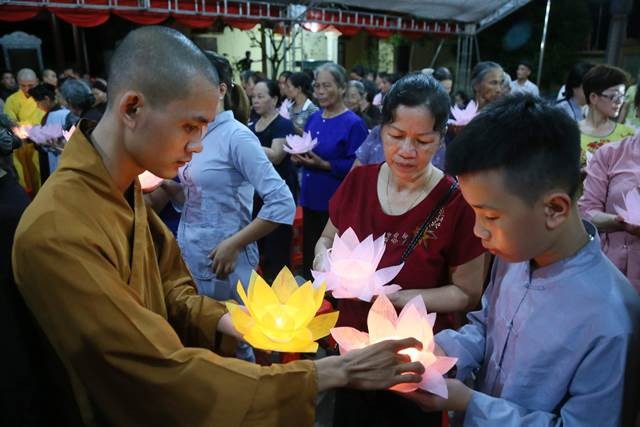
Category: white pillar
[332,45]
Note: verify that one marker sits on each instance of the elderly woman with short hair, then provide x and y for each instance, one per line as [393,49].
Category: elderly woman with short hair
[486,82]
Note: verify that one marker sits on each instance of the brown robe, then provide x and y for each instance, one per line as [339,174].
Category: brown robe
[108,287]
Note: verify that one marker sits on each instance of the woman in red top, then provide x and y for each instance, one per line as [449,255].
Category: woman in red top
[395,198]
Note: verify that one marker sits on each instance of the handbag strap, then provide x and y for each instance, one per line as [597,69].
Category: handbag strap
[432,215]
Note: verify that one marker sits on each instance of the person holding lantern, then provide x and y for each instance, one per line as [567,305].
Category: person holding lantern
[445,263]
[112,294]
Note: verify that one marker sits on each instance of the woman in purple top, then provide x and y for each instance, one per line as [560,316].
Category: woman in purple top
[339,132]
[613,171]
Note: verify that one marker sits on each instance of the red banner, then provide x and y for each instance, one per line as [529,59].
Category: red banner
[142,17]
[241,24]
[81,18]
[195,21]
[17,13]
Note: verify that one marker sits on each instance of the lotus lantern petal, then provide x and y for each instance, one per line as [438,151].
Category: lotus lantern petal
[67,133]
[300,144]
[281,317]
[43,134]
[148,181]
[462,117]
[630,212]
[284,109]
[414,321]
[350,268]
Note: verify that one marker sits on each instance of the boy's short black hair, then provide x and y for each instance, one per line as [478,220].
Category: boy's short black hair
[531,141]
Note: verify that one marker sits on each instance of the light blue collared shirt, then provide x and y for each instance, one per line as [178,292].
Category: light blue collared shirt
[550,345]
[219,185]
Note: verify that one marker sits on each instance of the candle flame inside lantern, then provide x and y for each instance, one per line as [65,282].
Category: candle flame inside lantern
[414,321]
[413,353]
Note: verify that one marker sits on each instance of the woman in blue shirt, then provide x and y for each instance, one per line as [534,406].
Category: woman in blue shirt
[217,235]
[339,132]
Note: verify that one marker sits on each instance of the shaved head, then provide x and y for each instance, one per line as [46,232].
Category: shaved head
[26,74]
[159,62]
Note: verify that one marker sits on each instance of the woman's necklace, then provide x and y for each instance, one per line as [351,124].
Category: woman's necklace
[415,201]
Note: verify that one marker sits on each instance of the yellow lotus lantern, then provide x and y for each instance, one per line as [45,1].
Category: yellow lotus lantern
[281,317]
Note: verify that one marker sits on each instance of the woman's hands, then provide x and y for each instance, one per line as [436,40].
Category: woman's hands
[311,160]
[223,258]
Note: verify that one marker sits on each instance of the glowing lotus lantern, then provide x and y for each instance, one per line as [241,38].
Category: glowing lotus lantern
[631,210]
[300,144]
[461,117]
[148,181]
[414,321]
[21,132]
[350,268]
[282,317]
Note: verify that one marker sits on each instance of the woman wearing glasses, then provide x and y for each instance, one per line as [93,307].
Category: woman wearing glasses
[604,88]
[613,172]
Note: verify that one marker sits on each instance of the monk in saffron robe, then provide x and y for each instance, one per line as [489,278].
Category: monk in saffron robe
[105,281]
[23,109]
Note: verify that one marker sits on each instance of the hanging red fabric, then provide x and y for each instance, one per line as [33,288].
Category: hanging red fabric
[381,34]
[17,13]
[142,17]
[347,31]
[240,24]
[81,18]
[194,21]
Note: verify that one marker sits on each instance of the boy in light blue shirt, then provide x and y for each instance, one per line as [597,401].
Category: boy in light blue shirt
[556,340]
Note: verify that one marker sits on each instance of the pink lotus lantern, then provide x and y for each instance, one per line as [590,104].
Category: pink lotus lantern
[463,117]
[149,182]
[67,133]
[44,134]
[414,321]
[300,144]
[284,109]
[350,268]
[631,210]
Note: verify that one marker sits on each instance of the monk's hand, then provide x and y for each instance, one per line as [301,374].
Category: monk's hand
[458,400]
[223,258]
[375,367]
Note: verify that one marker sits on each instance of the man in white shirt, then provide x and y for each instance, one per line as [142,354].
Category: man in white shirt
[522,84]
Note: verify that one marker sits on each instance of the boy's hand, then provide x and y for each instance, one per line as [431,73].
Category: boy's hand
[459,397]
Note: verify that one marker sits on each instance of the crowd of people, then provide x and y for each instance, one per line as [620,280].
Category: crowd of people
[511,227]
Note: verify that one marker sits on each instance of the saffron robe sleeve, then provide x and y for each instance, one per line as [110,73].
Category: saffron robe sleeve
[132,363]
[108,287]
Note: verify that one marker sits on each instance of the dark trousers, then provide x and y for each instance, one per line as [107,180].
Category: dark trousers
[313,222]
[275,251]
[379,409]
